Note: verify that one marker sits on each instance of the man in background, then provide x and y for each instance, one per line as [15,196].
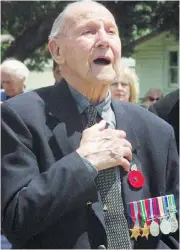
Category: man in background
[56,72]
[13,78]
[168,109]
[152,96]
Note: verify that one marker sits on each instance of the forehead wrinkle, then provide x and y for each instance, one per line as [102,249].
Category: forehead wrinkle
[74,16]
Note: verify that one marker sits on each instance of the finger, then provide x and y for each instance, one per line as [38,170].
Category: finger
[115,133]
[119,133]
[127,153]
[127,144]
[124,143]
[101,125]
[125,164]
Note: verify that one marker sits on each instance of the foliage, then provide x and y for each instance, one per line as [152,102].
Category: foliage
[30,22]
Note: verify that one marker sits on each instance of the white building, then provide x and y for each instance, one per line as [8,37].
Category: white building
[157,62]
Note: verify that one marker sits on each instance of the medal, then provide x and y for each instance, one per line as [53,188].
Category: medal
[135,231]
[154,228]
[144,228]
[165,226]
[172,210]
[174,224]
[145,231]
[135,177]
[148,214]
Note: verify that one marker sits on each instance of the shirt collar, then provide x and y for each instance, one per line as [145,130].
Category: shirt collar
[82,102]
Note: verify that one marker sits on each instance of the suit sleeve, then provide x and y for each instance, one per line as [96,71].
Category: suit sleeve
[32,201]
[153,110]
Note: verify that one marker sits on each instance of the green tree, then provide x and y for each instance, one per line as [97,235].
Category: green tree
[30,22]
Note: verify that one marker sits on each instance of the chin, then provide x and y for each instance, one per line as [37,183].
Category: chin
[105,78]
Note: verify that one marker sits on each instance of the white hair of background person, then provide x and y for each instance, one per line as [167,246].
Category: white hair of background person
[16,68]
[58,26]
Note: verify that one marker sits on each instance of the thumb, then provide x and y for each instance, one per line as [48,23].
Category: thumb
[101,125]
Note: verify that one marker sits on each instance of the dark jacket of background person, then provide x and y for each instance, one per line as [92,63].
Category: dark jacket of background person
[168,109]
[49,197]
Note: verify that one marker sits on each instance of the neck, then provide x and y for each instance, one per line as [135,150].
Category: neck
[95,92]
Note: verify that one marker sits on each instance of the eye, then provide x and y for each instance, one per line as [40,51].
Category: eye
[89,32]
[115,84]
[123,84]
[111,32]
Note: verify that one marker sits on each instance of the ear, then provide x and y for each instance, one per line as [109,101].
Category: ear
[55,52]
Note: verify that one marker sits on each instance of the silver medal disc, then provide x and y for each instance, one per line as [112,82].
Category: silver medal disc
[174,224]
[165,226]
[154,229]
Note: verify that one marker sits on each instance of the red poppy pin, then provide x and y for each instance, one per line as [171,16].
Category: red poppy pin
[136,178]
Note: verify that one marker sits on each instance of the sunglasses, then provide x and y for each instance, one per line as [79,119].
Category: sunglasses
[152,99]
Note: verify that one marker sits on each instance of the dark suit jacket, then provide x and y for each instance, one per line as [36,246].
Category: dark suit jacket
[49,196]
[168,109]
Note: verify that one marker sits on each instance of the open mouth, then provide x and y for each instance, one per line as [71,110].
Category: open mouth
[102,61]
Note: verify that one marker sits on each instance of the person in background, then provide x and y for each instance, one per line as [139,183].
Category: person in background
[56,72]
[13,78]
[126,86]
[168,109]
[151,97]
[14,75]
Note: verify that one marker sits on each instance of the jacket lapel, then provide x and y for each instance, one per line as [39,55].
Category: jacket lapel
[64,119]
[124,122]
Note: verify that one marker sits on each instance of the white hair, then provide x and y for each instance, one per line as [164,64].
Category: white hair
[58,25]
[15,67]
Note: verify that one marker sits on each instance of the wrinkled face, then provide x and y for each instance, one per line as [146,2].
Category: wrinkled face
[91,48]
[12,85]
[57,74]
[120,89]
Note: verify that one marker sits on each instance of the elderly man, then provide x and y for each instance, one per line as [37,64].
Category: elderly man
[13,78]
[75,163]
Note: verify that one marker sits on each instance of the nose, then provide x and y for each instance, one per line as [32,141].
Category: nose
[103,39]
[119,86]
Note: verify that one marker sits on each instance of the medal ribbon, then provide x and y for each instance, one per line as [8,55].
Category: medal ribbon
[156,209]
[136,214]
[161,208]
[165,203]
[151,209]
[139,213]
[132,214]
[143,212]
[171,204]
[129,215]
[147,211]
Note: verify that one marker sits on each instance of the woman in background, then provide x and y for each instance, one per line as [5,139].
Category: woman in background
[126,87]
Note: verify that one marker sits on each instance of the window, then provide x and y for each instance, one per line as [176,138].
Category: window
[173,64]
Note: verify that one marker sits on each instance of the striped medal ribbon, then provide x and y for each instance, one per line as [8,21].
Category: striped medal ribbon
[165,226]
[154,226]
[144,226]
[135,230]
[170,201]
